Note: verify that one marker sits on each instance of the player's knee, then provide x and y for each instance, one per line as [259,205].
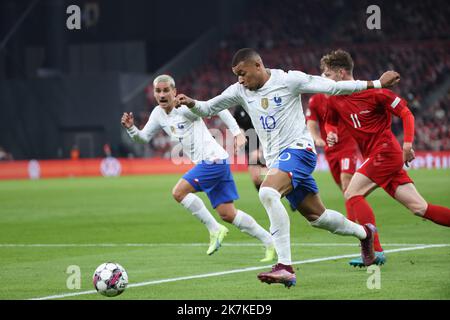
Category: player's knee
[256,180]
[226,213]
[344,185]
[255,175]
[178,194]
[227,217]
[267,195]
[418,208]
[348,194]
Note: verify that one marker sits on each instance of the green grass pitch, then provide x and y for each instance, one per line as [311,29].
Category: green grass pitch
[48,225]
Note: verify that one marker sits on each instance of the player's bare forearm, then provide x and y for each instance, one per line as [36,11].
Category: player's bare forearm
[313,128]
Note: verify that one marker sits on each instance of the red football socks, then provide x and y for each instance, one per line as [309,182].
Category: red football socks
[438,214]
[358,207]
[350,214]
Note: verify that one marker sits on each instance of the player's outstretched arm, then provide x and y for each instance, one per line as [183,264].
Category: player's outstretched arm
[227,99]
[304,83]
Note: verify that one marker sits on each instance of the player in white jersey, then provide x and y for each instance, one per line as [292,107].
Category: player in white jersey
[272,99]
[211,173]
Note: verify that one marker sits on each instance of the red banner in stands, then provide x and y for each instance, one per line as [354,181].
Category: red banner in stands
[108,167]
[34,169]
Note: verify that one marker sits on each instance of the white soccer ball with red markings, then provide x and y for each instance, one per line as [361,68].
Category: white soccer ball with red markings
[110,279]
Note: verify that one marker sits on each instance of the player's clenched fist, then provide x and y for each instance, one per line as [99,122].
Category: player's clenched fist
[389,79]
[127,120]
[408,153]
[183,99]
[239,143]
[332,139]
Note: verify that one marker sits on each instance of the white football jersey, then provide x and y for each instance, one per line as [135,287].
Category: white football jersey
[276,109]
[188,129]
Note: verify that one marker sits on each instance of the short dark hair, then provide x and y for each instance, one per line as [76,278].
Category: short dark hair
[337,59]
[244,54]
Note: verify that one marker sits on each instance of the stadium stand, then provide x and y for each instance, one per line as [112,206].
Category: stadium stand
[413,40]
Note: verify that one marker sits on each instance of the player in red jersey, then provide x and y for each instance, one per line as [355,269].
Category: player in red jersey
[342,159]
[367,117]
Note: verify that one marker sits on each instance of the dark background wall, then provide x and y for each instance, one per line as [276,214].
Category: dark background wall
[111,29]
[45,118]
[60,87]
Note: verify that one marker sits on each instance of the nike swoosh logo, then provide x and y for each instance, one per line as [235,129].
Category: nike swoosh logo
[275,232]
[250,101]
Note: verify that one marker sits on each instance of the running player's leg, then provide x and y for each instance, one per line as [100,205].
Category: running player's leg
[345,180]
[183,193]
[276,184]
[257,174]
[247,224]
[359,188]
[256,168]
[221,191]
[291,176]
[315,212]
[320,217]
[342,170]
[408,195]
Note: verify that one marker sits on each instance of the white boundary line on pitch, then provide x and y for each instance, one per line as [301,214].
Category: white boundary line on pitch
[194,244]
[215,274]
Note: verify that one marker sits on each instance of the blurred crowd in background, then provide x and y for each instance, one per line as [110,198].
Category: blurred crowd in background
[413,40]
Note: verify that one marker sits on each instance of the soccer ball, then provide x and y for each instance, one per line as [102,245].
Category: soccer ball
[110,279]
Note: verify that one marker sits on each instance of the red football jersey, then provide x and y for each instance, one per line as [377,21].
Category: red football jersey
[317,111]
[367,116]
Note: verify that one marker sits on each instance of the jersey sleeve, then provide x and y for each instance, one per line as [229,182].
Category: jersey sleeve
[150,129]
[227,99]
[186,112]
[299,82]
[390,101]
[230,122]
[399,107]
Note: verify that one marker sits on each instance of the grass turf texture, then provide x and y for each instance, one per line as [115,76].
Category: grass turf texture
[140,210]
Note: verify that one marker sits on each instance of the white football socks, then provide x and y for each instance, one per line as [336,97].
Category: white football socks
[195,205]
[247,224]
[336,223]
[279,223]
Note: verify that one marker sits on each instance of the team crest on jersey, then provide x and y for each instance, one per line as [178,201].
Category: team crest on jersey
[172,128]
[264,103]
[277,101]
